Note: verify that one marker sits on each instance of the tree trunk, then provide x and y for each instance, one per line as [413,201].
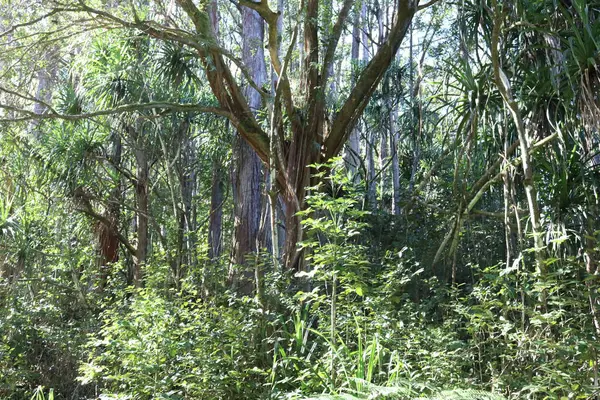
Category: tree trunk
[188,183]
[215,224]
[141,191]
[383,142]
[272,189]
[327,25]
[306,142]
[142,202]
[368,134]
[510,238]
[415,159]
[248,166]
[107,237]
[383,164]
[394,137]
[216,212]
[247,211]
[526,162]
[45,77]
[352,153]
[371,184]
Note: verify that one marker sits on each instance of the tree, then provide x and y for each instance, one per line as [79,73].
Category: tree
[306,132]
[247,180]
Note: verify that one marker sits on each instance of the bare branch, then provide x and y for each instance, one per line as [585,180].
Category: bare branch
[368,80]
[173,107]
[428,4]
[335,38]
[28,98]
[55,11]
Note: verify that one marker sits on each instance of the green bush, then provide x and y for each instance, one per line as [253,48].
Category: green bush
[154,347]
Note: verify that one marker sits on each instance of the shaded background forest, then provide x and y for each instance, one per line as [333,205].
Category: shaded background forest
[239,200]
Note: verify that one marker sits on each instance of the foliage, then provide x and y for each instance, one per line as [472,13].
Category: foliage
[120,134]
[175,347]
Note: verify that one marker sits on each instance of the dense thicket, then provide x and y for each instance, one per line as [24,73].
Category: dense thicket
[240,200]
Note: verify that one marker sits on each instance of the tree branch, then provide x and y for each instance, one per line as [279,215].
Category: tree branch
[428,4]
[87,210]
[368,81]
[335,38]
[223,84]
[174,107]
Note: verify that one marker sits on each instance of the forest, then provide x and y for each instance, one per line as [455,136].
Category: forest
[299,199]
